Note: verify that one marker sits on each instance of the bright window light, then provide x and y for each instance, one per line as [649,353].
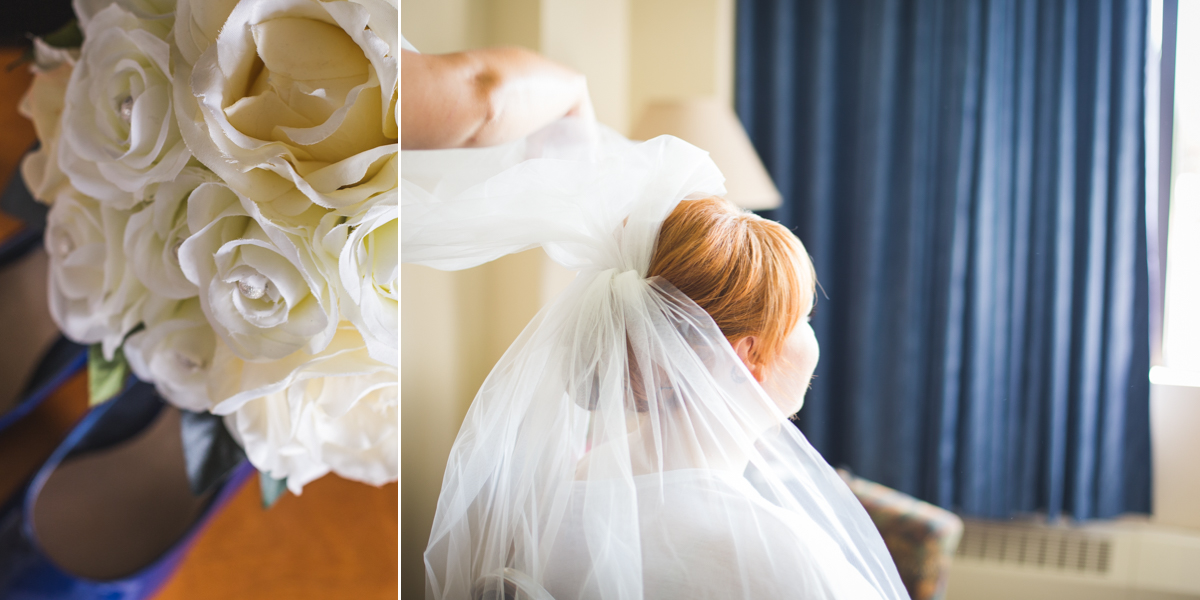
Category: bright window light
[1181,327]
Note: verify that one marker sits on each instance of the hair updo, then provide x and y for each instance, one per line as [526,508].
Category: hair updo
[752,275]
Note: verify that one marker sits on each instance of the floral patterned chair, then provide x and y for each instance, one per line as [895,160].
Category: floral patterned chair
[920,536]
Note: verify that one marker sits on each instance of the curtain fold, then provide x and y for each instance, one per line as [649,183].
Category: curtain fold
[969,179]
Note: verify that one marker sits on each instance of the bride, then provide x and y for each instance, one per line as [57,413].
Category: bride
[633,442]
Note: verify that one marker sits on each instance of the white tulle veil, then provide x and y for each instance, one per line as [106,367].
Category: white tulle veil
[619,449]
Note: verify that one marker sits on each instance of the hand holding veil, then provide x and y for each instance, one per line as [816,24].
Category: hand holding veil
[620,449]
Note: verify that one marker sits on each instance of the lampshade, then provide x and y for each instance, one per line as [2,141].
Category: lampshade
[712,126]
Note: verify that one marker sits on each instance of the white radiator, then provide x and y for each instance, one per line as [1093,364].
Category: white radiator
[1127,559]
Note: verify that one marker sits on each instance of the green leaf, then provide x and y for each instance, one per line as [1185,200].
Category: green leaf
[106,378]
[67,36]
[209,450]
[271,489]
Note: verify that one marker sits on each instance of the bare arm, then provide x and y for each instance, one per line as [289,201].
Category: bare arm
[483,97]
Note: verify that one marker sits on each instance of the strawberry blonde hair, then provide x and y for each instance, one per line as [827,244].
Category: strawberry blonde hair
[752,275]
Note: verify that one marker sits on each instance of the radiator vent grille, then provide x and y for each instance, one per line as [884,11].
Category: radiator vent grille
[1045,547]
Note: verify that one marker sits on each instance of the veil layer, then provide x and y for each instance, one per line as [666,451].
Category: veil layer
[619,449]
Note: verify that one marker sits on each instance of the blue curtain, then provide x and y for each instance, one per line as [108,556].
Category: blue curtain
[968,177]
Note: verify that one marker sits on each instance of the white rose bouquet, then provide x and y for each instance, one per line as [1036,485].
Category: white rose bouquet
[222,181]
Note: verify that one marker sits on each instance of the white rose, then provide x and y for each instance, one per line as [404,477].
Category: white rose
[305,416]
[86,10]
[94,296]
[367,253]
[154,235]
[118,132]
[294,102]
[197,23]
[43,105]
[174,351]
[259,286]
[47,58]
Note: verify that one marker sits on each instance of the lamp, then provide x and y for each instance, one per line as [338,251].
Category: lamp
[712,126]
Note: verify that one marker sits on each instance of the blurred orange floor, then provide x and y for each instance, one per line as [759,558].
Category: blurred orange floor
[337,540]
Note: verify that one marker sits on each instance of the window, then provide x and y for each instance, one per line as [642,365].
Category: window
[1180,363]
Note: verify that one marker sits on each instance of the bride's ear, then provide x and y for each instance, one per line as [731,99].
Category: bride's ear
[744,347]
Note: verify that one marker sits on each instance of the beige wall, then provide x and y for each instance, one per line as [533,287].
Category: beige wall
[1174,423]
[684,48]
[593,38]
[439,26]
[455,326]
